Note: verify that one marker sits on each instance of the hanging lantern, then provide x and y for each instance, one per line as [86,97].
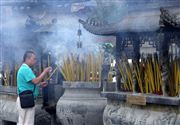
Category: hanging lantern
[79,32]
[79,42]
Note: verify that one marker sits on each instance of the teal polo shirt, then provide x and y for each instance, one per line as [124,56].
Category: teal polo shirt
[25,76]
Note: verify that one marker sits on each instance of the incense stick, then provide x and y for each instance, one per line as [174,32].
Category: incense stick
[52,73]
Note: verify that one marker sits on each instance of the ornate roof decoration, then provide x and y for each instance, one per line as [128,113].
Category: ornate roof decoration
[136,21]
[169,19]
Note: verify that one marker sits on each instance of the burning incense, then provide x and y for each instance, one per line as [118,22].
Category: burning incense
[52,73]
[86,69]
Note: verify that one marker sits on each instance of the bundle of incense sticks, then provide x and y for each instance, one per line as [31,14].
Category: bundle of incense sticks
[174,77]
[147,73]
[88,68]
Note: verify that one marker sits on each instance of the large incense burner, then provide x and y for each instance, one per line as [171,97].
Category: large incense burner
[149,85]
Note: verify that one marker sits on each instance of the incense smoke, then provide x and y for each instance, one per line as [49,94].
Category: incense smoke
[64,40]
[61,40]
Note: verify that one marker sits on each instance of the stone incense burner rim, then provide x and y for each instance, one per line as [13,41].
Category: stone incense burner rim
[81,85]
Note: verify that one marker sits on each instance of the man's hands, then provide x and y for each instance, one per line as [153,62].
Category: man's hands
[43,84]
[42,75]
[48,69]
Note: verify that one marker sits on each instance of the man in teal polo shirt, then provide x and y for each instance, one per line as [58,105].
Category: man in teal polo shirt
[26,80]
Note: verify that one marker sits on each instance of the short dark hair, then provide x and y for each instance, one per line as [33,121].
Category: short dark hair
[28,55]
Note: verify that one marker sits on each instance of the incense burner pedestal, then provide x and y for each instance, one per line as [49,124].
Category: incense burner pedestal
[81,104]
